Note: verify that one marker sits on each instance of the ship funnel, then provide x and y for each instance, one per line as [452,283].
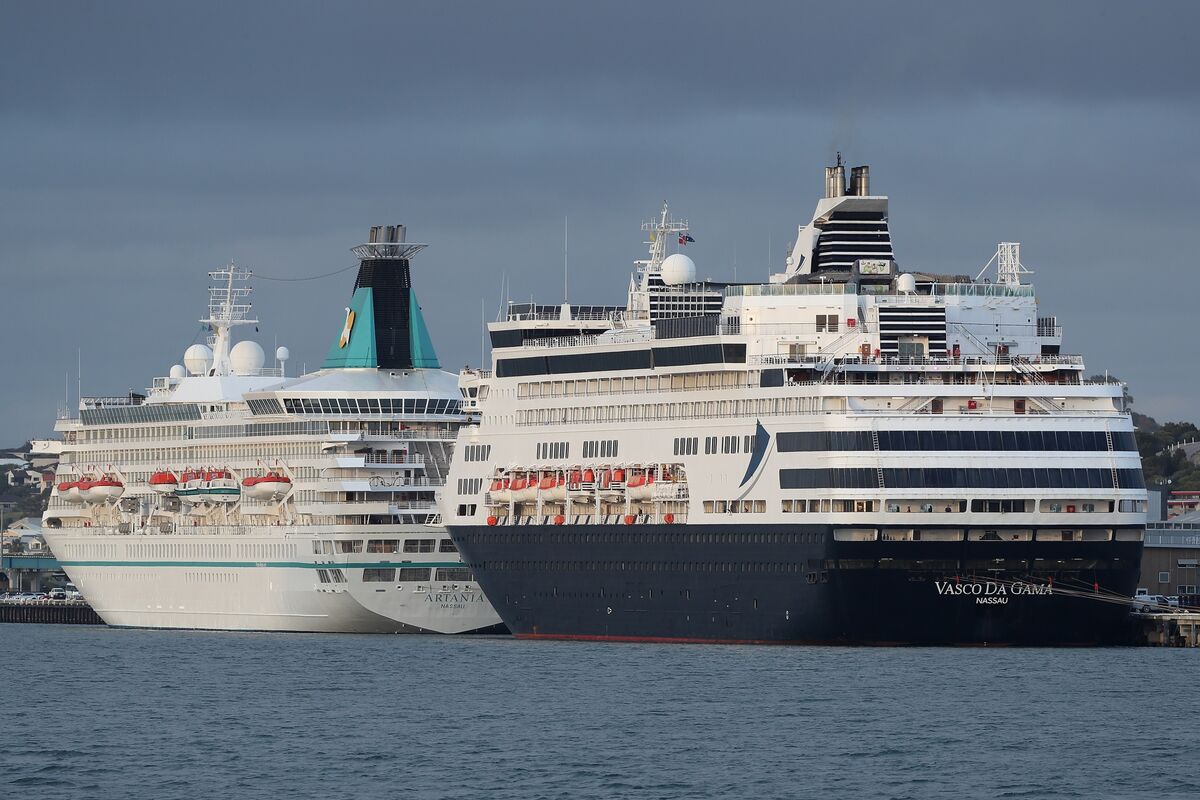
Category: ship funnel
[383,327]
[835,180]
[860,181]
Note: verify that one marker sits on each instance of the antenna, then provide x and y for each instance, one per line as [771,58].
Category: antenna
[1009,268]
[564,258]
[228,306]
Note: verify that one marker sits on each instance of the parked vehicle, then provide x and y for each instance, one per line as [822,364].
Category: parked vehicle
[57,593]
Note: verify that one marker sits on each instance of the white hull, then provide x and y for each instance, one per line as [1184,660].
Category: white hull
[260,583]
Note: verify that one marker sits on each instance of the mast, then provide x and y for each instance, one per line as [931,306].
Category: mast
[228,307]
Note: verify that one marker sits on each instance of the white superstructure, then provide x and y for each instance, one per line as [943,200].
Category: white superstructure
[229,496]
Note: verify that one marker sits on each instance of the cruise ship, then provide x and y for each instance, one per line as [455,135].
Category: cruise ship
[230,497]
[854,451]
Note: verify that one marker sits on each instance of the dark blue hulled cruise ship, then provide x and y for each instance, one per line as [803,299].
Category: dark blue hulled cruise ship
[851,452]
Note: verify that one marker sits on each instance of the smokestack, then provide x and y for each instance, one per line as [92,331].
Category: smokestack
[860,181]
[835,181]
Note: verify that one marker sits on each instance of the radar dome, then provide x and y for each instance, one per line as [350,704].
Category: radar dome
[678,269]
[178,371]
[197,359]
[282,354]
[906,283]
[246,358]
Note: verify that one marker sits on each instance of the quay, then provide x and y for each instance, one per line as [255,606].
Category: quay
[57,612]
[1168,628]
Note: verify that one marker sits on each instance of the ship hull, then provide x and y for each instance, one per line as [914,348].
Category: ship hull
[795,584]
[249,583]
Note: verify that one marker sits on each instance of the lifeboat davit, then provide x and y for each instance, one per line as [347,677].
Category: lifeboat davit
[69,491]
[500,491]
[271,486]
[164,482]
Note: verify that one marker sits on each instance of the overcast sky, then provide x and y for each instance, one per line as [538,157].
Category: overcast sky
[142,144]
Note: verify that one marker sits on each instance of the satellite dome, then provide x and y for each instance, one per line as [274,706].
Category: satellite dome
[282,354]
[906,283]
[678,269]
[197,359]
[178,371]
[246,358]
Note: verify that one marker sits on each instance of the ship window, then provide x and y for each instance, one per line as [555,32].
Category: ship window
[379,575]
[447,546]
[454,574]
[349,545]
[383,546]
[413,574]
[418,545]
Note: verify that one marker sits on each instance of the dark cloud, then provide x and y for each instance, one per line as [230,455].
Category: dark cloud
[142,144]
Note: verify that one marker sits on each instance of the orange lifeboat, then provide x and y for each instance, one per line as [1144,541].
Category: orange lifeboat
[557,490]
[500,491]
[641,487]
[525,489]
[103,490]
[618,475]
[164,482]
[69,491]
[271,486]
[589,476]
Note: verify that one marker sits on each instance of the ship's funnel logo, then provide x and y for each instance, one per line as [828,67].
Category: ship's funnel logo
[344,339]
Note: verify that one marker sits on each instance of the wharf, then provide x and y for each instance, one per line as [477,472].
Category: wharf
[58,612]
[1168,628]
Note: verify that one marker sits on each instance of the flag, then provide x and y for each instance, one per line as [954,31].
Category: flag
[684,238]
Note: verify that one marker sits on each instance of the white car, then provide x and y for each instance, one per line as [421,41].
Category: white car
[58,593]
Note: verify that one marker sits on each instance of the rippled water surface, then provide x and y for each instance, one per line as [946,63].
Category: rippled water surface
[93,712]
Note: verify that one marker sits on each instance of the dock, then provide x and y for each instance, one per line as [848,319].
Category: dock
[1168,628]
[56,612]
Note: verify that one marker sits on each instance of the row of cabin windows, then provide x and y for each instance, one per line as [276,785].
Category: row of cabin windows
[600,448]
[553,450]
[477,452]
[957,478]
[470,486]
[735,506]
[1050,441]
[371,405]
[669,411]
[959,506]
[724,379]
[349,546]
[408,574]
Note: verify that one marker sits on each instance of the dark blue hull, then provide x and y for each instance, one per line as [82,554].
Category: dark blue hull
[794,583]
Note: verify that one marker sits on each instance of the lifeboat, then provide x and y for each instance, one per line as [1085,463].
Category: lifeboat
[83,489]
[271,486]
[554,488]
[524,489]
[103,490]
[220,487]
[69,491]
[618,475]
[164,482]
[641,487]
[589,476]
[499,490]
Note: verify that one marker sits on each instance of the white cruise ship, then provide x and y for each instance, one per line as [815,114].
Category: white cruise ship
[231,497]
[851,452]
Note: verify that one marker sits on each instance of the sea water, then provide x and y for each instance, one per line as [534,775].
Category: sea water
[92,712]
